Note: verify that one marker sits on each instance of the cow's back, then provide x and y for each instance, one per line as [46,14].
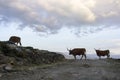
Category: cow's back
[102,53]
[14,39]
[78,51]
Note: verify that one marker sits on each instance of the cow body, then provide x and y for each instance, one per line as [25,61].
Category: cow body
[15,39]
[103,53]
[78,51]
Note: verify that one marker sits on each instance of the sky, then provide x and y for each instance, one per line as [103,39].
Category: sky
[57,25]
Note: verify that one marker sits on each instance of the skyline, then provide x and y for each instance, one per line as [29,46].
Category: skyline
[57,25]
[60,42]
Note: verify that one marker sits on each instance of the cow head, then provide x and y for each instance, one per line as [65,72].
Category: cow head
[97,49]
[70,51]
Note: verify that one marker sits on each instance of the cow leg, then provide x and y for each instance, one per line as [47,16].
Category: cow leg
[99,57]
[20,44]
[75,57]
[82,57]
[85,56]
[108,56]
[17,43]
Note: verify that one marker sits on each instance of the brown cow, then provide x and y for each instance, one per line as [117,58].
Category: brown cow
[102,53]
[15,39]
[77,51]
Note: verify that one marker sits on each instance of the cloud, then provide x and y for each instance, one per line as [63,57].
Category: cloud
[69,9]
[48,16]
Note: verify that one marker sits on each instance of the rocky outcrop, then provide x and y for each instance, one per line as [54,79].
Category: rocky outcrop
[26,55]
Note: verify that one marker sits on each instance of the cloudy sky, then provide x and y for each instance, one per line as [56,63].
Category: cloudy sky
[59,24]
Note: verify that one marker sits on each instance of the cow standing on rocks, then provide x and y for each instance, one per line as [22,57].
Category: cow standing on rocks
[77,51]
[102,53]
[15,39]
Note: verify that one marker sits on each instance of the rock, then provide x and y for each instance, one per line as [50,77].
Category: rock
[8,67]
[26,55]
[0,74]
[3,59]
[12,46]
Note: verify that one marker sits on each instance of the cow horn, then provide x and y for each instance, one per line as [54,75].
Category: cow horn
[68,49]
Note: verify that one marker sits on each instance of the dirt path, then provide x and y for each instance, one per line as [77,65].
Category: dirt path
[71,70]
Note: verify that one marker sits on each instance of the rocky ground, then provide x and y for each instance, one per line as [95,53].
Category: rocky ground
[22,56]
[27,63]
[104,69]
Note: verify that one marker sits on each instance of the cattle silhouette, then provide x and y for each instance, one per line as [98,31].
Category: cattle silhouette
[15,40]
[102,53]
[77,51]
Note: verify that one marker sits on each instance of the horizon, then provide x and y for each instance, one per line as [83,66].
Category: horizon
[90,56]
[57,25]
